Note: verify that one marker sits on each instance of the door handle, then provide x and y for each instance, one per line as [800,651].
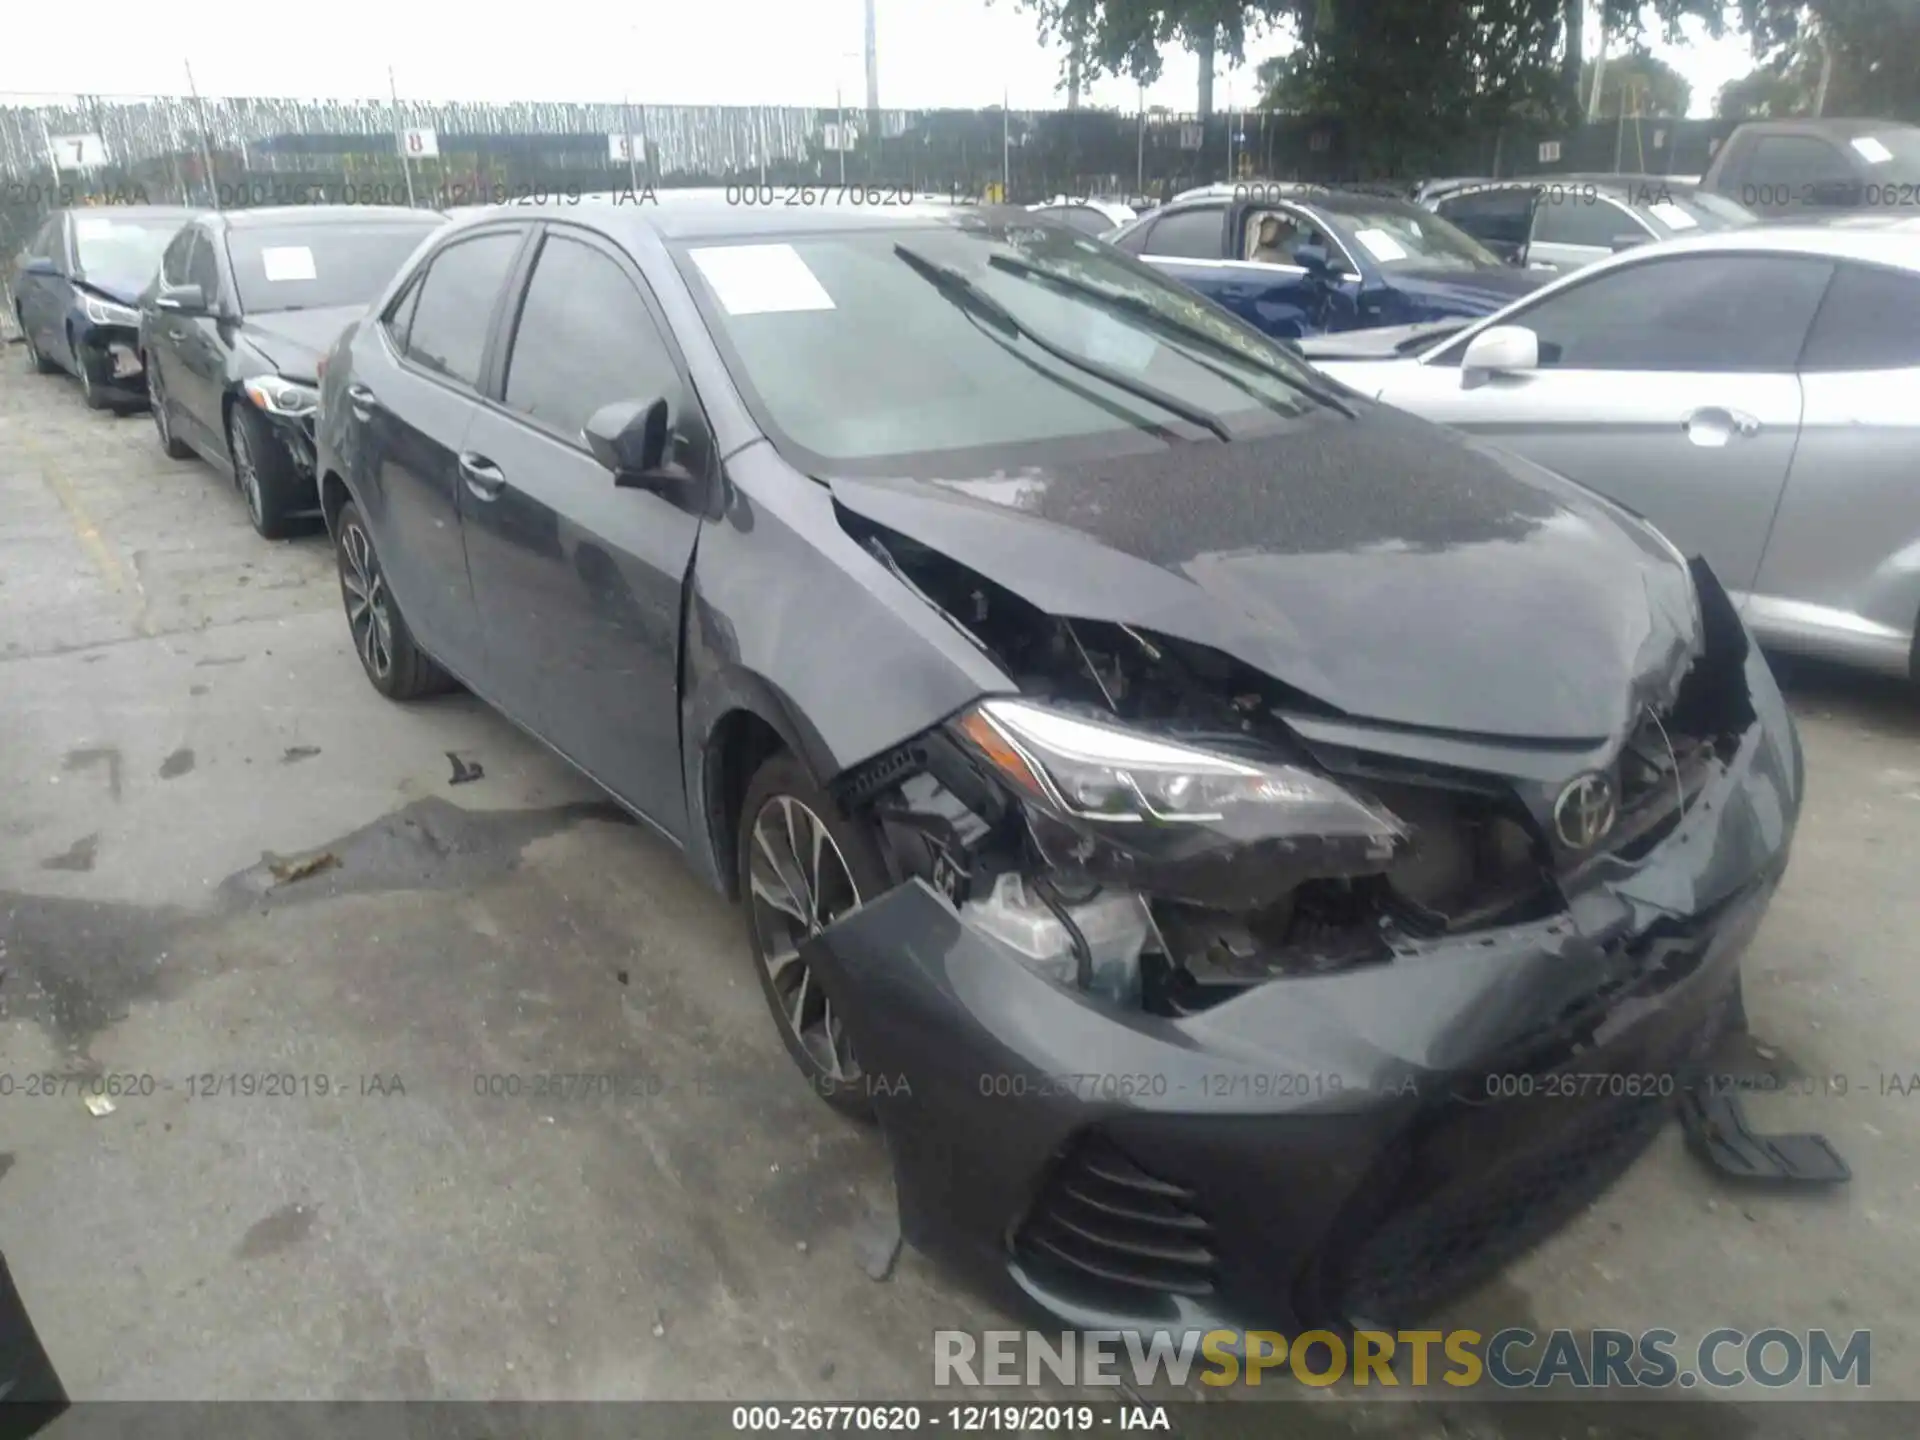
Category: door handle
[361,401]
[1713,426]
[483,477]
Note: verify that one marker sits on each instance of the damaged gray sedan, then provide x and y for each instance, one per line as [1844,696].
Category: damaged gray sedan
[1262,858]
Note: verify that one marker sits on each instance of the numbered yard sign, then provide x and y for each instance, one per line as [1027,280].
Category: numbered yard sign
[78,152]
[419,144]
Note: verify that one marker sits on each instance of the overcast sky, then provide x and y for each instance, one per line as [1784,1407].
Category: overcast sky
[933,53]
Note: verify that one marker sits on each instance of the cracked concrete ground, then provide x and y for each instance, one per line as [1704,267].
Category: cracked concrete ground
[181,720]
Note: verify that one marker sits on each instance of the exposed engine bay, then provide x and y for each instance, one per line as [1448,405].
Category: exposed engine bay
[1155,916]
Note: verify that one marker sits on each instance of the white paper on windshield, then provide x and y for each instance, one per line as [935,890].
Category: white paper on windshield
[1672,216]
[287,262]
[1382,246]
[91,229]
[1874,152]
[761,279]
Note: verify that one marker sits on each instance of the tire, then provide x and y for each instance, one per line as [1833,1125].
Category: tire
[781,790]
[36,362]
[174,447]
[90,393]
[263,473]
[397,667]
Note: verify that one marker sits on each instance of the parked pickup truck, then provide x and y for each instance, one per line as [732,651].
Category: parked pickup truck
[1811,169]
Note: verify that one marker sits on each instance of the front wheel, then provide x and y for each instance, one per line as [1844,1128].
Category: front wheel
[90,390]
[802,865]
[263,473]
[398,668]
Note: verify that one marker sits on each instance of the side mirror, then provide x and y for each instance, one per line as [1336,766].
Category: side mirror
[1500,350]
[1313,259]
[186,299]
[630,438]
[39,265]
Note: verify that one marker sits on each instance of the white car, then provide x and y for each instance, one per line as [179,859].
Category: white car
[1750,392]
[1089,216]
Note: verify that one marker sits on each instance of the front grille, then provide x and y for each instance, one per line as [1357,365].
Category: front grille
[1111,1230]
[1424,1242]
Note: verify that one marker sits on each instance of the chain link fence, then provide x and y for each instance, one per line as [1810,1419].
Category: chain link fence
[234,153]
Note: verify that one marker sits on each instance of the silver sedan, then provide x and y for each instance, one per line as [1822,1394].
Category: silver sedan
[1754,393]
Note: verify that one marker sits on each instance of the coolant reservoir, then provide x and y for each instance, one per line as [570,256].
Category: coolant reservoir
[1115,923]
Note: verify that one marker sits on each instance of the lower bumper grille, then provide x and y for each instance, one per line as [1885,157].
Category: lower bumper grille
[1105,1225]
[1456,1233]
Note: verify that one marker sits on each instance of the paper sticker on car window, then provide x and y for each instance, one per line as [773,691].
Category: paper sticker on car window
[761,279]
[1872,150]
[287,262]
[1382,246]
[1672,216]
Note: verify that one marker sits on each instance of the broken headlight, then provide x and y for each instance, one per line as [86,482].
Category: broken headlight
[1118,806]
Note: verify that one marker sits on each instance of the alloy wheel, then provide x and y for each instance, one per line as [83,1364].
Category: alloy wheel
[86,378]
[800,885]
[245,474]
[368,618]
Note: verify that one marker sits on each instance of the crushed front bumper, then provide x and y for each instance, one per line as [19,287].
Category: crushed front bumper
[111,355]
[1328,1150]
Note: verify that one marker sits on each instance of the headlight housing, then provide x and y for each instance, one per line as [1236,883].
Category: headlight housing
[279,396]
[107,312]
[1122,807]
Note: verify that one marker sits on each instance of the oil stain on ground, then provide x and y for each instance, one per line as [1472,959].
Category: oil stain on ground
[284,1228]
[103,757]
[78,856]
[178,763]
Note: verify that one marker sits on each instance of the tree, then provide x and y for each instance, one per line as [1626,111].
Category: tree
[1658,87]
[1763,94]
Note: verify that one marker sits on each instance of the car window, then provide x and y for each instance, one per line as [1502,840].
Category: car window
[1870,320]
[399,316]
[1696,312]
[45,244]
[115,250]
[1083,218]
[1796,160]
[585,339]
[450,321]
[1273,235]
[1399,235]
[1134,241]
[1187,234]
[203,269]
[1493,217]
[173,263]
[1577,218]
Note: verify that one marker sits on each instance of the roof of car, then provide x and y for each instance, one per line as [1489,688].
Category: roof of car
[1598,180]
[715,213]
[1891,242]
[133,212]
[275,215]
[1835,127]
[1307,191]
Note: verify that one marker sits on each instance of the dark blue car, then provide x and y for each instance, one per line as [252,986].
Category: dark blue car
[76,293]
[1297,260]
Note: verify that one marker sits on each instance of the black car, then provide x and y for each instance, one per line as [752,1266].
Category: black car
[76,288]
[1812,168]
[233,326]
[1564,222]
[1197,810]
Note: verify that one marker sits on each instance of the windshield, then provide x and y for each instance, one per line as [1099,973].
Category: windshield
[121,249]
[1404,236]
[1895,150]
[312,267]
[854,354]
[1678,213]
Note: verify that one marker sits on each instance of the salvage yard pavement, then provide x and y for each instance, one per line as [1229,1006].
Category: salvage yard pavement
[436,1092]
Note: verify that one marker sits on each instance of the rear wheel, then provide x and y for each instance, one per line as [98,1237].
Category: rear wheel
[175,448]
[36,362]
[802,865]
[263,472]
[398,668]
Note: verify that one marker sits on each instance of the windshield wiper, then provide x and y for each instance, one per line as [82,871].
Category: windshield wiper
[1140,309]
[963,292]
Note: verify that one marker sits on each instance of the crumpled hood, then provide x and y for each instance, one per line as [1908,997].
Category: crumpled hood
[122,289]
[1391,569]
[1469,292]
[296,339]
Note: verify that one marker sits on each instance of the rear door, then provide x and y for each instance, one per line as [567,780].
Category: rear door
[198,344]
[1669,386]
[1498,217]
[414,390]
[1573,226]
[1844,558]
[579,583]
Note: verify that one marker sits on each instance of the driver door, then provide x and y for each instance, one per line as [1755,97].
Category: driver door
[1669,386]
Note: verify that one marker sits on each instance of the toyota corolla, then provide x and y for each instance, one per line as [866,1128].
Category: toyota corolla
[1197,811]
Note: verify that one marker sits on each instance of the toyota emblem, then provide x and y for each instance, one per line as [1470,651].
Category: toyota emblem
[1585,812]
